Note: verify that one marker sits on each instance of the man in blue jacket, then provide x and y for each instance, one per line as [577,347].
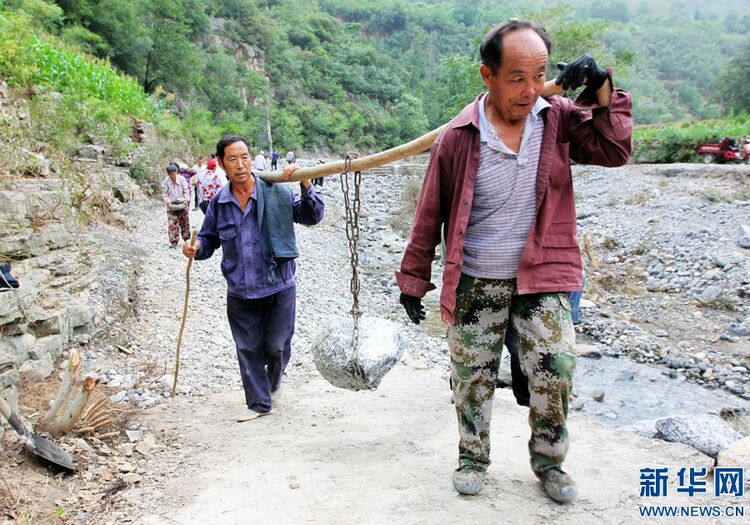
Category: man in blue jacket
[252,221]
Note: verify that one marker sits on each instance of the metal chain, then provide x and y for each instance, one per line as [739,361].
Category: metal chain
[352,210]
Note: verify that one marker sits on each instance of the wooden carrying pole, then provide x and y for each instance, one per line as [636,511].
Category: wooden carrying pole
[184,316]
[378,159]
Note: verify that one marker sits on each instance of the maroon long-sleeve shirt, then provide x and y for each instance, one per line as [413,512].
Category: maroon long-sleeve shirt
[551,259]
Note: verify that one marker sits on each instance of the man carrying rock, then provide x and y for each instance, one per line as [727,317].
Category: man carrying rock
[499,187]
[252,222]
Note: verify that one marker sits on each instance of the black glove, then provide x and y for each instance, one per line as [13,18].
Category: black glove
[413,307]
[583,70]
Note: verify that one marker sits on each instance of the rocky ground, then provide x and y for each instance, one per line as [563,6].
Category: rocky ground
[668,286]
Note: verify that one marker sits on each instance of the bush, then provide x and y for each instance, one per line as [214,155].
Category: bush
[676,143]
[66,70]
[16,59]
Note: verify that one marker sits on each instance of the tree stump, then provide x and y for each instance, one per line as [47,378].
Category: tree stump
[71,398]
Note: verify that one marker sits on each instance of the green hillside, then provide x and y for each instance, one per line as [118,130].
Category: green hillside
[369,74]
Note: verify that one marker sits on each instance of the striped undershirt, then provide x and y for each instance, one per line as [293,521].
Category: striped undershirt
[504,198]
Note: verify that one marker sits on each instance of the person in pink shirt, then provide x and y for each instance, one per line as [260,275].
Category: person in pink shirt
[176,197]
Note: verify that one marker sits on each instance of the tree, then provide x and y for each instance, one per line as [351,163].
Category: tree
[734,83]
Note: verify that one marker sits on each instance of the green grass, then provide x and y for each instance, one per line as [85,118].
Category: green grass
[73,72]
[97,103]
[677,142]
[713,195]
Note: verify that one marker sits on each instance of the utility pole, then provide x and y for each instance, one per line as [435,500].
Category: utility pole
[268,129]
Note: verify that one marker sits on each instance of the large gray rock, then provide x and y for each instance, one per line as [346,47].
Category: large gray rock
[51,346]
[9,378]
[8,355]
[80,314]
[21,244]
[91,152]
[53,323]
[737,455]
[13,209]
[122,186]
[38,369]
[57,236]
[707,433]
[35,165]
[744,240]
[20,344]
[47,205]
[710,294]
[11,310]
[380,347]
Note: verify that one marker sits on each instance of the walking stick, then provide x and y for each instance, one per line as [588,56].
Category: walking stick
[193,235]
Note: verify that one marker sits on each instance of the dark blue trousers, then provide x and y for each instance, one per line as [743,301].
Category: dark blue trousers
[262,330]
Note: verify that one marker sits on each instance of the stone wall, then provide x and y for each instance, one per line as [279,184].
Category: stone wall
[63,298]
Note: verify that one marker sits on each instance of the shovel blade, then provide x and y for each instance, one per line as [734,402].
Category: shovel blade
[51,452]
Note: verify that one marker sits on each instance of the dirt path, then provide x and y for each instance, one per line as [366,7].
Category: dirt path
[335,457]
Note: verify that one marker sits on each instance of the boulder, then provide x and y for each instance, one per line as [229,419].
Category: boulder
[8,356]
[53,323]
[707,433]
[21,344]
[13,209]
[91,152]
[710,294]
[744,240]
[123,188]
[380,348]
[35,165]
[47,205]
[737,455]
[51,346]
[80,314]
[22,244]
[11,310]
[37,369]
[9,378]
[57,236]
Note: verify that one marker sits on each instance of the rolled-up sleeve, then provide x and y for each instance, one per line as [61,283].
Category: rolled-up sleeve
[598,134]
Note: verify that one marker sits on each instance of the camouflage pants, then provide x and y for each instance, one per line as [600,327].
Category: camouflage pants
[178,222]
[484,307]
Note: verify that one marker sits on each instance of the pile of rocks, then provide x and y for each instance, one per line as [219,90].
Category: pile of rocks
[670,279]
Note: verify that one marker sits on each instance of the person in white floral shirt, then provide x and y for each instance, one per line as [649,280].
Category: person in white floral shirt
[209,184]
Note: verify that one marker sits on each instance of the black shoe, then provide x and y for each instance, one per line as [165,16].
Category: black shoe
[7,280]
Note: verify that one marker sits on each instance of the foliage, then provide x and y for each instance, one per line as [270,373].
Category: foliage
[734,90]
[42,14]
[370,73]
[80,38]
[677,143]
[74,73]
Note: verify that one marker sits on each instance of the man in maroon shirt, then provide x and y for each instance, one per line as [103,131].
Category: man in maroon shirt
[499,188]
